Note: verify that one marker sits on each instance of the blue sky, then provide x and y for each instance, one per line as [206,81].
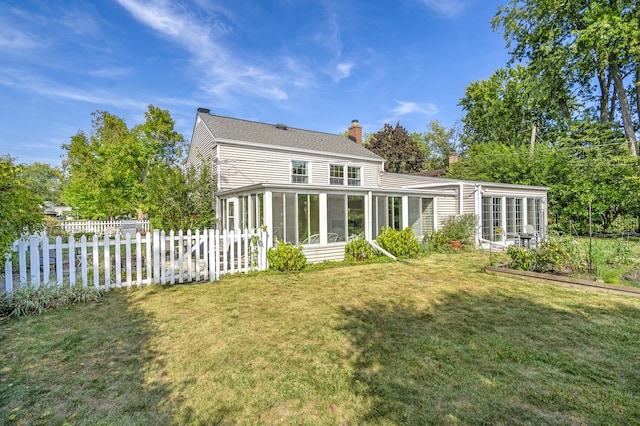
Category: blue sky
[309,64]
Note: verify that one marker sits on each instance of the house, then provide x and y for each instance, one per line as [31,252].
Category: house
[320,189]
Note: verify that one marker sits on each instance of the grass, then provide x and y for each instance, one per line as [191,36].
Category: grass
[427,341]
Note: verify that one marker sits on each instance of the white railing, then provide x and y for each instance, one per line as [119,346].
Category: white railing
[104,227]
[158,257]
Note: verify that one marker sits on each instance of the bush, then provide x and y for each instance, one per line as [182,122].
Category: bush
[286,257]
[552,255]
[28,300]
[359,249]
[399,243]
[459,228]
[437,241]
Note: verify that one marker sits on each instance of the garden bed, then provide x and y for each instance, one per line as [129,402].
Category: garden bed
[565,281]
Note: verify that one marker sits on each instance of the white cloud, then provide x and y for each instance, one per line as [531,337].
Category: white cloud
[341,71]
[404,108]
[447,8]
[223,72]
[30,83]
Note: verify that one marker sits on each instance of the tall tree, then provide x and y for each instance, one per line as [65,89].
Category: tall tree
[568,45]
[43,180]
[108,170]
[394,144]
[438,143]
[20,211]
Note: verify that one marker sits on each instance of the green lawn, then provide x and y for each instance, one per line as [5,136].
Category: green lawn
[429,341]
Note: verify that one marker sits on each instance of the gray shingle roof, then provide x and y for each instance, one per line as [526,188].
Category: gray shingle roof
[268,134]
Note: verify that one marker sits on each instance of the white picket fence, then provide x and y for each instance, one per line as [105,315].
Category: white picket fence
[158,257]
[104,227]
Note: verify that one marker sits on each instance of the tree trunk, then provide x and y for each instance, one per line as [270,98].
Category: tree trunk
[638,89]
[625,109]
[604,95]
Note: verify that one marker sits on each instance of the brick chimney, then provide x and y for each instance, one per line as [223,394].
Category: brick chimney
[355,132]
[453,158]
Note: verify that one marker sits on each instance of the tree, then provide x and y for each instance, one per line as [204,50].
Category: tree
[504,109]
[394,144]
[20,211]
[189,203]
[43,180]
[108,170]
[437,144]
[569,45]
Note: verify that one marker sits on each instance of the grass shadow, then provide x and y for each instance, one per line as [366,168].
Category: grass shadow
[495,359]
[86,364]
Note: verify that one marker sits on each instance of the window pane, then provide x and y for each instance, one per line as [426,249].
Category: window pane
[414,216]
[299,172]
[277,212]
[497,218]
[381,215]
[511,217]
[336,174]
[486,218]
[356,215]
[395,212]
[353,175]
[290,234]
[309,218]
[260,210]
[336,217]
[427,216]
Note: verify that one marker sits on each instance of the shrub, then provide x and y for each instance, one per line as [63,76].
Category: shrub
[28,300]
[359,249]
[437,241]
[550,255]
[459,228]
[521,258]
[399,243]
[286,257]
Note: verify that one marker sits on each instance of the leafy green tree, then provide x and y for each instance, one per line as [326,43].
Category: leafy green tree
[437,144]
[394,144]
[20,211]
[568,45]
[43,180]
[189,203]
[108,170]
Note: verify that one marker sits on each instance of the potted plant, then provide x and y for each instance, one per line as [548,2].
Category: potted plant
[458,230]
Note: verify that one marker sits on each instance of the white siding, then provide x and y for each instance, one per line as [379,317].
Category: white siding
[315,254]
[201,143]
[469,198]
[447,207]
[242,166]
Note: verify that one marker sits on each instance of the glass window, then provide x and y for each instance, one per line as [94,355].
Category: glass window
[355,205]
[380,214]
[511,217]
[353,176]
[277,211]
[395,212]
[336,218]
[299,172]
[259,210]
[290,213]
[309,218]
[415,216]
[336,174]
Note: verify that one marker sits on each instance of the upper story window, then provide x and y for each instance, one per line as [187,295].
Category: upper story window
[353,176]
[336,174]
[299,172]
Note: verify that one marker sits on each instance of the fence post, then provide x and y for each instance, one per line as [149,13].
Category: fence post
[197,255]
[107,261]
[46,266]
[156,256]
[34,260]
[127,249]
[83,259]
[189,264]
[118,265]
[96,261]
[138,258]
[59,268]
[8,274]
[180,257]
[72,261]
[163,249]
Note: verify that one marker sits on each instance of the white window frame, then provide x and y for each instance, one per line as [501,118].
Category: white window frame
[331,177]
[299,178]
[356,181]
